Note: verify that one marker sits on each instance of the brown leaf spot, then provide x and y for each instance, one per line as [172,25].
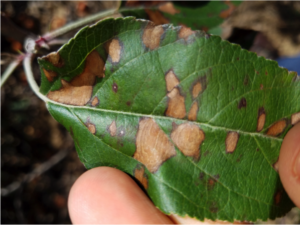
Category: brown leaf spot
[156,17]
[113,48]
[256,72]
[55,59]
[226,13]
[168,8]
[115,87]
[152,145]
[95,101]
[242,103]
[261,87]
[139,174]
[151,36]
[295,118]
[185,32]
[277,128]
[213,208]
[128,103]
[50,75]
[91,127]
[231,141]
[79,90]
[261,119]
[176,106]
[188,138]
[211,183]
[266,73]
[201,176]
[171,80]
[277,197]
[197,89]
[112,129]
[193,112]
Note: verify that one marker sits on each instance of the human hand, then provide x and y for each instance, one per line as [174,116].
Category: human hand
[107,195]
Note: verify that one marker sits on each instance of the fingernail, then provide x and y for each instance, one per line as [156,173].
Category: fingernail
[297,165]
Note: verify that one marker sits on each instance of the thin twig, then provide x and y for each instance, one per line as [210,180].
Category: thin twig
[35,173]
[9,70]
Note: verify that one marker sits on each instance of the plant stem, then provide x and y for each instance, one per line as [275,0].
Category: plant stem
[9,70]
[79,23]
[30,77]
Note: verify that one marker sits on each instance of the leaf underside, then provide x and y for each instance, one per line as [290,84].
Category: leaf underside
[196,120]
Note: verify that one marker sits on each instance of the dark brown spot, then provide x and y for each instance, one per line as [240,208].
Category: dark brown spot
[201,176]
[277,128]
[79,90]
[266,73]
[128,103]
[188,138]
[211,183]
[153,146]
[261,87]
[231,141]
[216,176]
[256,72]
[237,58]
[257,149]
[206,153]
[115,87]
[242,103]
[277,197]
[141,176]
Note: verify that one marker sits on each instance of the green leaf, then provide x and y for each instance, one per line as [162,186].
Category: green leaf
[205,17]
[198,121]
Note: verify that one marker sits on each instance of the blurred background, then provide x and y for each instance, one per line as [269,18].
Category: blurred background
[39,163]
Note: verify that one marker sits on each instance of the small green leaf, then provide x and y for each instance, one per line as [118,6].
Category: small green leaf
[197,120]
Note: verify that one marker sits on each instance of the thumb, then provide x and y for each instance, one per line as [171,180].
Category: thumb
[289,164]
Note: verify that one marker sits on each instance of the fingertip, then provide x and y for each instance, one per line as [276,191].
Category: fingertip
[107,195]
[289,164]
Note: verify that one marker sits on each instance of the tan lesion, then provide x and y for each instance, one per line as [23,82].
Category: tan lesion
[277,128]
[91,127]
[185,32]
[176,104]
[197,88]
[188,138]
[171,80]
[95,101]
[79,90]
[261,119]
[231,141]
[114,49]
[152,35]
[54,58]
[153,146]
[139,174]
[113,129]
[193,112]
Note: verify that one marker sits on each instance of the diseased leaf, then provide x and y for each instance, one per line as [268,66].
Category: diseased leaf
[205,17]
[197,120]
